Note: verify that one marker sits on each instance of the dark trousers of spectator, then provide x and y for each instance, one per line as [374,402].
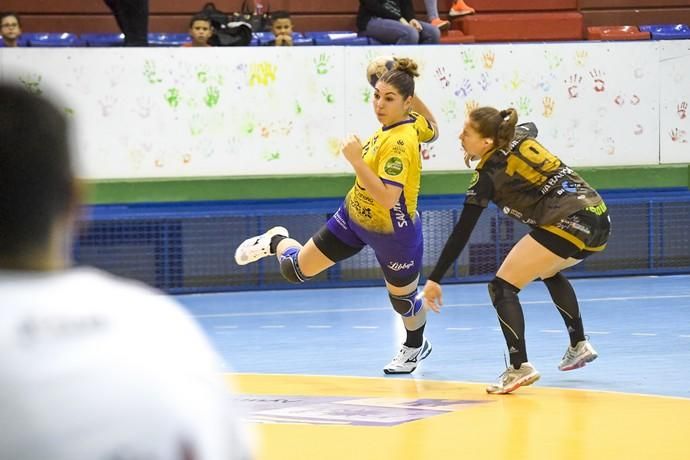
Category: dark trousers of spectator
[132,17]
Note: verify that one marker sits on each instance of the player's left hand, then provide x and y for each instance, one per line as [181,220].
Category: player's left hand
[414,23]
[433,296]
[352,149]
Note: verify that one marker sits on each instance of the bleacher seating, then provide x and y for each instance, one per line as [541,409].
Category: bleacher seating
[521,20]
[164,39]
[634,12]
[616,33]
[108,39]
[52,39]
[667,31]
[494,21]
[335,38]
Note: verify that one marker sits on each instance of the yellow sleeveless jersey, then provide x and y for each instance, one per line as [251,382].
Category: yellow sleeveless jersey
[393,153]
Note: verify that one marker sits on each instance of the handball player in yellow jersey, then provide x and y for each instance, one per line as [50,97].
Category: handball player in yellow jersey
[379,211]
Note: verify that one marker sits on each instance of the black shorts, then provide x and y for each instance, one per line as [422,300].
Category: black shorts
[579,235]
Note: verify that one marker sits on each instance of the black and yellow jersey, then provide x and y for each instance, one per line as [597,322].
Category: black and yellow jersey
[530,184]
[393,153]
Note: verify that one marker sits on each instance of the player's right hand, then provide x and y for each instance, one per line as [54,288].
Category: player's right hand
[433,296]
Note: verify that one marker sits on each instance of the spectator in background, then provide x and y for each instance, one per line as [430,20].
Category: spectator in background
[91,366]
[10,29]
[200,30]
[432,13]
[393,22]
[132,18]
[460,8]
[281,26]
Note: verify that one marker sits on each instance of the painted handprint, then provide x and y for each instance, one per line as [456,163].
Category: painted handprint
[150,72]
[552,60]
[484,81]
[573,83]
[212,96]
[468,60]
[366,94]
[107,104]
[678,135]
[262,73]
[515,82]
[330,99]
[609,146]
[544,82]
[450,110]
[172,97]
[488,59]
[322,64]
[548,105]
[32,83]
[598,77]
[272,156]
[202,74]
[464,89]
[443,77]
[470,106]
[682,110]
[581,57]
[523,106]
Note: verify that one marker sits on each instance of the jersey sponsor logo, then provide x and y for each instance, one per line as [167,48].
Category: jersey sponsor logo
[518,215]
[397,266]
[599,209]
[400,216]
[553,180]
[572,224]
[394,166]
[339,219]
[474,179]
[569,187]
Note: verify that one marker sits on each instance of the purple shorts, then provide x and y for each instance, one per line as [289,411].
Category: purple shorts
[399,254]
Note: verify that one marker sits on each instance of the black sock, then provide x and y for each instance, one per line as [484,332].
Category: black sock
[510,317]
[415,338]
[563,296]
[274,242]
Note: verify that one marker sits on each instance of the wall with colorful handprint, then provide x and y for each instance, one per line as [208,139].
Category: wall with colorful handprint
[144,113]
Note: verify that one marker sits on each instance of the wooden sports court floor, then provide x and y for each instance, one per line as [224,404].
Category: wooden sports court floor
[307,366]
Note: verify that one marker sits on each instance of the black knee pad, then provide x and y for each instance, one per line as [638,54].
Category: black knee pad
[406,305]
[501,290]
[555,279]
[289,267]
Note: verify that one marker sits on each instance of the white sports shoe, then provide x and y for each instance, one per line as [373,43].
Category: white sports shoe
[407,359]
[577,356]
[257,247]
[512,379]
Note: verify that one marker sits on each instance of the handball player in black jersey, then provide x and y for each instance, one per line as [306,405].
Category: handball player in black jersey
[569,222]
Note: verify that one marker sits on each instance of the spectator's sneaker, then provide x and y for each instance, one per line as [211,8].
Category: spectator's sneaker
[441,24]
[407,359]
[460,8]
[577,356]
[512,379]
[256,247]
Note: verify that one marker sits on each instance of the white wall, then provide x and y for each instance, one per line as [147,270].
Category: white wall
[171,112]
